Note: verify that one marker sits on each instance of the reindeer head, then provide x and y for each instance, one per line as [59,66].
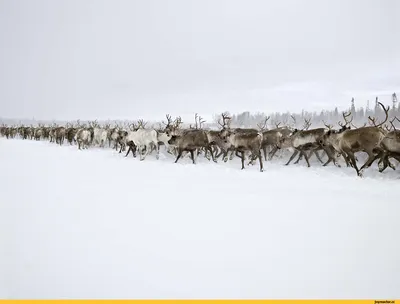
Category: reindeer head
[173,140]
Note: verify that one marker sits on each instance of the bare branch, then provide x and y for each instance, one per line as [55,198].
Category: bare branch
[195,121]
[201,122]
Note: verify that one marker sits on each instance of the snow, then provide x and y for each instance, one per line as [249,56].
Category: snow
[93,224]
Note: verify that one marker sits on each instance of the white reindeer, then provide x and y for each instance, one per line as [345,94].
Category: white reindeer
[99,137]
[144,138]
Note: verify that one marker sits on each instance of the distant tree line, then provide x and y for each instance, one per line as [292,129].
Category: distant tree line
[251,120]
[332,117]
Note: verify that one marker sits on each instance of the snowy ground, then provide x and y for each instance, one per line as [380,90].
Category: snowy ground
[93,224]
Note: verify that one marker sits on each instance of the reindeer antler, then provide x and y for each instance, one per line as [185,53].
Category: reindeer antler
[328,126]
[141,123]
[225,121]
[307,123]
[345,116]
[133,126]
[263,126]
[373,120]
[177,122]
[169,121]
[392,122]
[354,126]
[294,120]
[347,122]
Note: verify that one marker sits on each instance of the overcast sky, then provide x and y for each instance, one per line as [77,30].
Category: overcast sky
[68,59]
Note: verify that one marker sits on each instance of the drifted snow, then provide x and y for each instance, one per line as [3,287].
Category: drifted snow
[93,224]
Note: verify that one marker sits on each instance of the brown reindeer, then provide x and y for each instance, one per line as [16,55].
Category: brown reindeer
[243,142]
[365,139]
[190,141]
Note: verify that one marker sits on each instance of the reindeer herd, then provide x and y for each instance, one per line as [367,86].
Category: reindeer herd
[380,140]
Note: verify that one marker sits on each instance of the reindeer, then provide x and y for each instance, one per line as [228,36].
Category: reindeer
[70,133]
[390,145]
[226,125]
[99,136]
[38,133]
[243,142]
[123,141]
[59,134]
[190,141]
[366,139]
[83,138]
[3,130]
[143,139]
[306,140]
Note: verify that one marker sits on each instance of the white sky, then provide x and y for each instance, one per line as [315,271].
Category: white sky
[68,59]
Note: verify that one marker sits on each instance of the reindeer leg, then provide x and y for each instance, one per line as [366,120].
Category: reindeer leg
[192,156]
[390,164]
[293,156]
[331,157]
[272,153]
[306,158]
[260,160]
[157,151]
[226,156]
[206,154]
[231,157]
[237,153]
[212,154]
[252,157]
[300,157]
[147,152]
[317,155]
[242,160]
[127,153]
[179,155]
[371,158]
[264,148]
[347,160]
[383,163]
[352,158]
